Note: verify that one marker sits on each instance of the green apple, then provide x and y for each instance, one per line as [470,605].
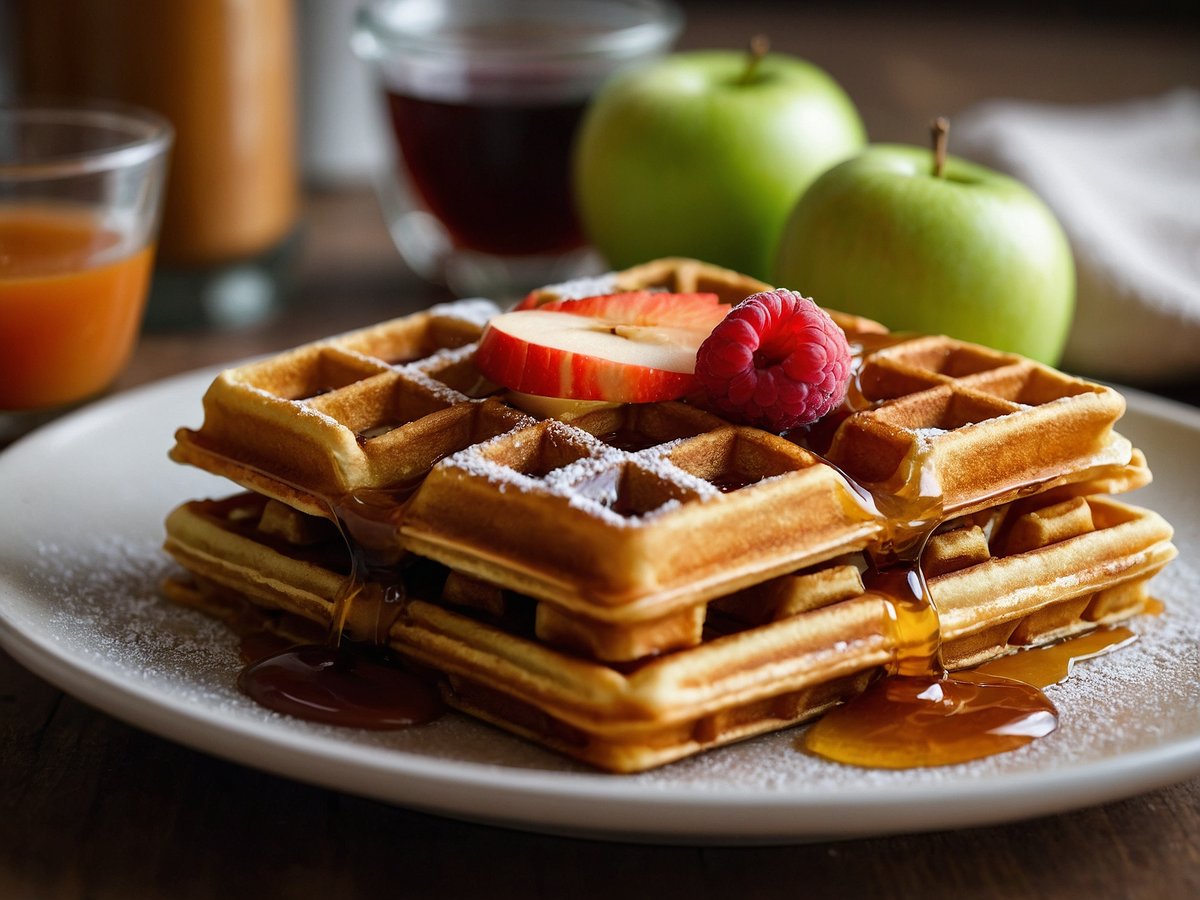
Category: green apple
[704,154]
[968,252]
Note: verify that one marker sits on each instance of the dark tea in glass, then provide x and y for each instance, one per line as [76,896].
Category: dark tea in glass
[483,99]
[496,174]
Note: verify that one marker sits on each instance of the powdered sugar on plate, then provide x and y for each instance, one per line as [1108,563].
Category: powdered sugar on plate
[107,607]
[1135,698]
[80,566]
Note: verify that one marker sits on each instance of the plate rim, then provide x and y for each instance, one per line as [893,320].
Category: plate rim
[543,799]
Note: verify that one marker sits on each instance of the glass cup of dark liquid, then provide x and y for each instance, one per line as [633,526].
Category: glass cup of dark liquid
[484,98]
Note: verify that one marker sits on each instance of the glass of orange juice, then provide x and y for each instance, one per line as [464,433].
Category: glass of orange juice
[80,198]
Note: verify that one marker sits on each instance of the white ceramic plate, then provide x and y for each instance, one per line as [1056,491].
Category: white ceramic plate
[83,502]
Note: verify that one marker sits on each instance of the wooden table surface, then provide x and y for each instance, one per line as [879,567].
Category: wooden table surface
[91,807]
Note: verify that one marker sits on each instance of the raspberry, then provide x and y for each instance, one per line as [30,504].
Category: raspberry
[776,361]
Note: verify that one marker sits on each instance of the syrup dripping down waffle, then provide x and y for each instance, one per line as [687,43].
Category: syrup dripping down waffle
[769,655]
[627,583]
[430,454]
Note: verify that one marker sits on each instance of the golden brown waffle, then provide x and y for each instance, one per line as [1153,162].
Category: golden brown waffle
[963,426]
[371,409]
[631,584]
[640,513]
[611,534]
[772,654]
[933,417]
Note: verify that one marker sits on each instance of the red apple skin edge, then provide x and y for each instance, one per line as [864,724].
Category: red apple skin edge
[554,372]
[636,347]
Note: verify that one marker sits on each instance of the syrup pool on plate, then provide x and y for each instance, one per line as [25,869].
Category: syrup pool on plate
[340,686]
[907,721]
[337,682]
[918,714]
[354,684]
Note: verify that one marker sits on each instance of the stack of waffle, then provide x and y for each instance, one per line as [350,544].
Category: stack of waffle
[633,584]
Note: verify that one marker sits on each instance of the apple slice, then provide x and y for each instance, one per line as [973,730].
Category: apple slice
[556,407]
[636,347]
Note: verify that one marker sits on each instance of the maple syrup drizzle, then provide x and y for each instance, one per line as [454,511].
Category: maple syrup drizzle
[259,643]
[919,714]
[992,708]
[1052,664]
[916,715]
[356,684]
[902,722]
[728,482]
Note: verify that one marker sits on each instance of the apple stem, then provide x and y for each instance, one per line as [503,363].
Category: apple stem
[941,136]
[760,45]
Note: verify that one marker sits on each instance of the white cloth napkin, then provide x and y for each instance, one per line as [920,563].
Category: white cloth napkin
[1124,181]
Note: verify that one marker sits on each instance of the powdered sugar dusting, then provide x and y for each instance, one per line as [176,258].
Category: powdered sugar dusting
[590,484]
[419,375]
[447,356]
[658,461]
[103,606]
[925,435]
[475,461]
[578,288]
[1133,699]
[299,407]
[472,310]
[106,603]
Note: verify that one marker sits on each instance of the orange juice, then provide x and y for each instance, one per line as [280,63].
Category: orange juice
[71,299]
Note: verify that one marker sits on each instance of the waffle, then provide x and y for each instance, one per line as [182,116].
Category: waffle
[924,411]
[630,584]
[773,654]
[369,410]
[599,514]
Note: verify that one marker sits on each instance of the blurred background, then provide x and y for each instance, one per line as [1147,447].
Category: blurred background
[312,140]
[99,809]
[899,61]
